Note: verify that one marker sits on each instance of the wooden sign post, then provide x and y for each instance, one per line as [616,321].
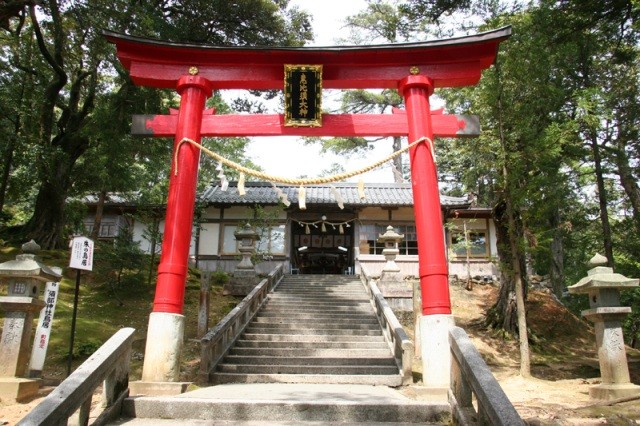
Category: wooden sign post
[81,260]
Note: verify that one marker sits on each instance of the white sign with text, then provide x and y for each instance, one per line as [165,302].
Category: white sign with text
[43,331]
[81,253]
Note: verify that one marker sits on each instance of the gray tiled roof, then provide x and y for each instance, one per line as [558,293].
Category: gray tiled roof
[376,194]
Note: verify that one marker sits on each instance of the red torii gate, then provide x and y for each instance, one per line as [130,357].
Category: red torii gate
[194,71]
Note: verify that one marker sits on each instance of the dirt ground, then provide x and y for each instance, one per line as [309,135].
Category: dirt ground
[563,363]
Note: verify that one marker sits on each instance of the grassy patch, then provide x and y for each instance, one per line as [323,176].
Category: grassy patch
[104,308]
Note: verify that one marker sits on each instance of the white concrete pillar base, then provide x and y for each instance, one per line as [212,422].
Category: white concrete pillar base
[435,349]
[165,337]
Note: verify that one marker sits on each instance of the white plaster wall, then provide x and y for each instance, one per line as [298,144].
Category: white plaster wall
[138,229]
[211,213]
[145,246]
[209,238]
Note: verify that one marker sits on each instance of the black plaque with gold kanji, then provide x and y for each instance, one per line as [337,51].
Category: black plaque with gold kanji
[303,95]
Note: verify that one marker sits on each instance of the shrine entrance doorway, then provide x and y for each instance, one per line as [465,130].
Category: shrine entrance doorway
[195,71]
[322,242]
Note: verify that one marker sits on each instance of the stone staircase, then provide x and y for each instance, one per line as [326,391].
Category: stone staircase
[312,329]
[313,354]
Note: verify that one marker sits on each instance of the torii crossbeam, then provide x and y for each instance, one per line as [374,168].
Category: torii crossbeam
[194,71]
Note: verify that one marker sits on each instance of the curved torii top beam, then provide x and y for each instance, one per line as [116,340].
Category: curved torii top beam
[450,63]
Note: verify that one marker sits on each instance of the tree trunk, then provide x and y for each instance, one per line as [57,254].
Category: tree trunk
[514,235]
[556,273]
[519,284]
[467,246]
[46,226]
[97,222]
[502,315]
[628,181]
[155,229]
[7,162]
[602,199]
[60,133]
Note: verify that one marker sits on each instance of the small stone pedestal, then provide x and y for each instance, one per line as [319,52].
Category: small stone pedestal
[25,277]
[244,277]
[603,287]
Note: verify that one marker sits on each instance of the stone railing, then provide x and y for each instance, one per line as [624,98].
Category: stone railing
[398,339]
[109,364]
[217,342]
[470,376]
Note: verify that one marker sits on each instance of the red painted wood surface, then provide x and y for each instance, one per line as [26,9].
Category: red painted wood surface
[433,267]
[332,125]
[451,62]
[172,270]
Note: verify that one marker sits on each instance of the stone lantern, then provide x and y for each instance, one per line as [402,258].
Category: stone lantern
[25,277]
[392,284]
[244,276]
[603,287]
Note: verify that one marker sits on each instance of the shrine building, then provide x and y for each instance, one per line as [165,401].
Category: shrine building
[324,228]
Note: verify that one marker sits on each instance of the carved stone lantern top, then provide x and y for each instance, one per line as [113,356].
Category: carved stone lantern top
[602,277]
[391,236]
[247,235]
[28,265]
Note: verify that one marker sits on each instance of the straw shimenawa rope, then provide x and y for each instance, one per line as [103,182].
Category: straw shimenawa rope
[311,181]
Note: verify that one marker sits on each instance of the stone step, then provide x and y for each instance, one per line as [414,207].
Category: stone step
[322,331]
[311,338]
[308,369]
[312,319]
[277,360]
[315,315]
[319,324]
[292,404]
[302,286]
[313,299]
[316,326]
[305,295]
[307,352]
[242,343]
[195,422]
[361,379]
[334,291]
[330,308]
[320,283]
[251,329]
[318,307]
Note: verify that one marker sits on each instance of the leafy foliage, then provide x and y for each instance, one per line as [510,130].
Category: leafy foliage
[67,102]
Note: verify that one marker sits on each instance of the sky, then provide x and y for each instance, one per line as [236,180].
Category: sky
[301,160]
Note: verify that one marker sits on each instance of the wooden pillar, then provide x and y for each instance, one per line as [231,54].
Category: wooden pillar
[434,275]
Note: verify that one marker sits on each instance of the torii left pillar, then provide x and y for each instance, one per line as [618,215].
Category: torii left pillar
[165,334]
[436,319]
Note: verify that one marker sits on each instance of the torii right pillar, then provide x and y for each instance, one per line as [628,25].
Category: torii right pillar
[436,319]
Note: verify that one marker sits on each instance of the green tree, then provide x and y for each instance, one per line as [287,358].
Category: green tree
[58,46]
